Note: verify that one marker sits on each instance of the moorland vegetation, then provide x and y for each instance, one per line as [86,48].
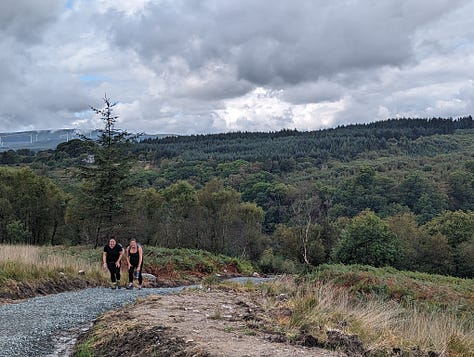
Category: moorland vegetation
[378,216]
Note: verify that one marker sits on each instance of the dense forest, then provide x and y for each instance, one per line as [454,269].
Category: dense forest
[394,193]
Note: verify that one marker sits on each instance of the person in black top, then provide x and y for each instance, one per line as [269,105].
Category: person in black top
[111,257]
[134,255]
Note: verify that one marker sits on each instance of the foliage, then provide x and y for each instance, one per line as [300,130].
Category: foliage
[244,193]
[213,218]
[32,207]
[342,143]
[276,264]
[367,240]
[192,261]
[457,226]
[457,232]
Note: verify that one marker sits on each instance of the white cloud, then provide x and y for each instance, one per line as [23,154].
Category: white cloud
[259,110]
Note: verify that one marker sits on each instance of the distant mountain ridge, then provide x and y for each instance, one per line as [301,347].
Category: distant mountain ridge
[49,139]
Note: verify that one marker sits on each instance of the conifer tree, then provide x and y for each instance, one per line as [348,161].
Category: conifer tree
[104,181]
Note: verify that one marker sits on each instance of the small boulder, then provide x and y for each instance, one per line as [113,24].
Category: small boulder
[148,277]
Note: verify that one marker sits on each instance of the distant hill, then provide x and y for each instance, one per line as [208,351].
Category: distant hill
[344,143]
[48,139]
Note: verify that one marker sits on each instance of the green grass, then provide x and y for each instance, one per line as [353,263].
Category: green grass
[384,307]
[427,292]
[191,260]
[58,267]
[84,350]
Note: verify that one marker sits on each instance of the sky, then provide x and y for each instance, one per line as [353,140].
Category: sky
[212,66]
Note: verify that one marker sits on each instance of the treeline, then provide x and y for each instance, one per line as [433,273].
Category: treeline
[398,193]
[342,143]
[32,207]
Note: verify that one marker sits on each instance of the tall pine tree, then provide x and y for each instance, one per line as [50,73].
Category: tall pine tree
[104,181]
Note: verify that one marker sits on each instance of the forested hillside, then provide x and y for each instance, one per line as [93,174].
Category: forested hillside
[398,192]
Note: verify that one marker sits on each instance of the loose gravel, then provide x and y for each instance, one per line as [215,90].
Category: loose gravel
[46,326]
[34,327]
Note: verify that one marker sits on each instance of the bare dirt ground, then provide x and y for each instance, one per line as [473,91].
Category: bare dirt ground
[198,323]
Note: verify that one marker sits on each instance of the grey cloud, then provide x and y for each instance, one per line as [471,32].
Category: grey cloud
[36,96]
[175,122]
[25,19]
[213,84]
[466,93]
[13,61]
[177,64]
[276,123]
[275,42]
[356,112]
[313,92]
[179,115]
[42,106]
[23,83]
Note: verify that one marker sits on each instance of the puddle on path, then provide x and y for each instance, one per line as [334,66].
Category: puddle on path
[64,341]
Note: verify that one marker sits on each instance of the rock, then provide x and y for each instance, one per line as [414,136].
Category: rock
[148,277]
[256,275]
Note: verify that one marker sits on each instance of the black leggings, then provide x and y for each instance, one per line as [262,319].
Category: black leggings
[133,266]
[114,271]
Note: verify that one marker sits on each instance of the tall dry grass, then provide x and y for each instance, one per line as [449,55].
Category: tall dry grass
[27,262]
[381,325]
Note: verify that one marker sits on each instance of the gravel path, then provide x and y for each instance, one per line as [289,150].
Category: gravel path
[35,327]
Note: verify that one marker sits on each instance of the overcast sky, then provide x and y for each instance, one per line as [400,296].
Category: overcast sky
[207,66]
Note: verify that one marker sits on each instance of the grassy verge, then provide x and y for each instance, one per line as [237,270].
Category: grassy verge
[189,264]
[27,271]
[425,292]
[387,310]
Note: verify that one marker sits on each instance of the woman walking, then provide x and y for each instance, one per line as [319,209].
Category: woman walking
[111,257]
[134,254]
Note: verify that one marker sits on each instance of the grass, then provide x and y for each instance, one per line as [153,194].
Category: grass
[426,292]
[351,299]
[85,349]
[26,263]
[195,262]
[27,270]
[384,307]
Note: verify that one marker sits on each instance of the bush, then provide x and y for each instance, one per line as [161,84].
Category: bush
[270,263]
[367,240]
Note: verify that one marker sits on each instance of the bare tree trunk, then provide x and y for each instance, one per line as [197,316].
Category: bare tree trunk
[55,228]
[96,243]
[305,241]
